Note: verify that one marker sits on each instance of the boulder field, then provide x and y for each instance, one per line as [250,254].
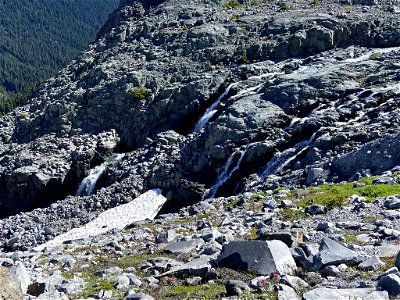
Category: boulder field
[272,129]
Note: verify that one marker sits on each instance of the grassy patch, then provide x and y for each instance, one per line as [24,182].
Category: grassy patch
[372,218]
[95,284]
[289,214]
[286,6]
[205,291]
[232,4]
[139,93]
[336,195]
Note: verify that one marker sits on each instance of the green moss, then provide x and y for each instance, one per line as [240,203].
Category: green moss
[206,291]
[95,284]
[252,233]
[258,2]
[375,55]
[286,6]
[315,2]
[289,214]
[232,4]
[139,93]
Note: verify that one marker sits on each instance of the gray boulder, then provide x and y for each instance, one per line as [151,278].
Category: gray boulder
[183,246]
[260,257]
[338,294]
[390,283]
[197,267]
[371,264]
[333,253]
[20,274]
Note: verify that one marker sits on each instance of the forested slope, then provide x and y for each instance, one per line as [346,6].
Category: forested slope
[37,38]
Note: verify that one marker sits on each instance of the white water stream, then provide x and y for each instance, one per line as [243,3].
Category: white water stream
[88,184]
[210,112]
[226,172]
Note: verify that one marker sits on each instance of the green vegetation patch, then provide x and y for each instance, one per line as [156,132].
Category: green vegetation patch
[95,284]
[336,195]
[139,93]
[232,4]
[290,214]
[205,291]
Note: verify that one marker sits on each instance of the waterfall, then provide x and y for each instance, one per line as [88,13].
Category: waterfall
[88,184]
[226,172]
[282,159]
[210,112]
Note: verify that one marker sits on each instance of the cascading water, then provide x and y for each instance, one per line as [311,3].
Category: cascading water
[88,184]
[282,159]
[210,112]
[226,172]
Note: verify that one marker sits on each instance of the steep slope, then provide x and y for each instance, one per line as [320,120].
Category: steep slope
[310,98]
[40,37]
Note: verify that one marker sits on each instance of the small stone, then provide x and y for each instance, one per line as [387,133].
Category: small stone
[331,271]
[296,283]
[286,237]
[236,287]
[132,295]
[324,225]
[122,281]
[287,293]
[166,237]
[315,209]
[371,264]
[183,246]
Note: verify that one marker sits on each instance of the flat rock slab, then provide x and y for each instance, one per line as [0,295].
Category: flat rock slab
[333,253]
[196,267]
[345,294]
[260,257]
[183,246]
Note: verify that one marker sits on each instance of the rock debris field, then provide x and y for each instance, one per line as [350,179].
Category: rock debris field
[211,149]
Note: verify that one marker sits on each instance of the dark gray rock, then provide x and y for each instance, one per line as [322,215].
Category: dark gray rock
[286,237]
[392,203]
[197,267]
[333,253]
[236,287]
[315,209]
[371,264]
[390,283]
[261,257]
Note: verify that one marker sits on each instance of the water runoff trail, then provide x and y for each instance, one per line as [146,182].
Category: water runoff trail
[88,184]
[230,167]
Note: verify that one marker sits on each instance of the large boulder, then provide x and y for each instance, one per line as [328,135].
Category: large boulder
[344,294]
[260,257]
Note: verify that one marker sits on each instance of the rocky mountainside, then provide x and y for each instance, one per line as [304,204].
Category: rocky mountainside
[250,102]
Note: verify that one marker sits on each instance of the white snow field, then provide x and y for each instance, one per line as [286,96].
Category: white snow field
[146,206]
